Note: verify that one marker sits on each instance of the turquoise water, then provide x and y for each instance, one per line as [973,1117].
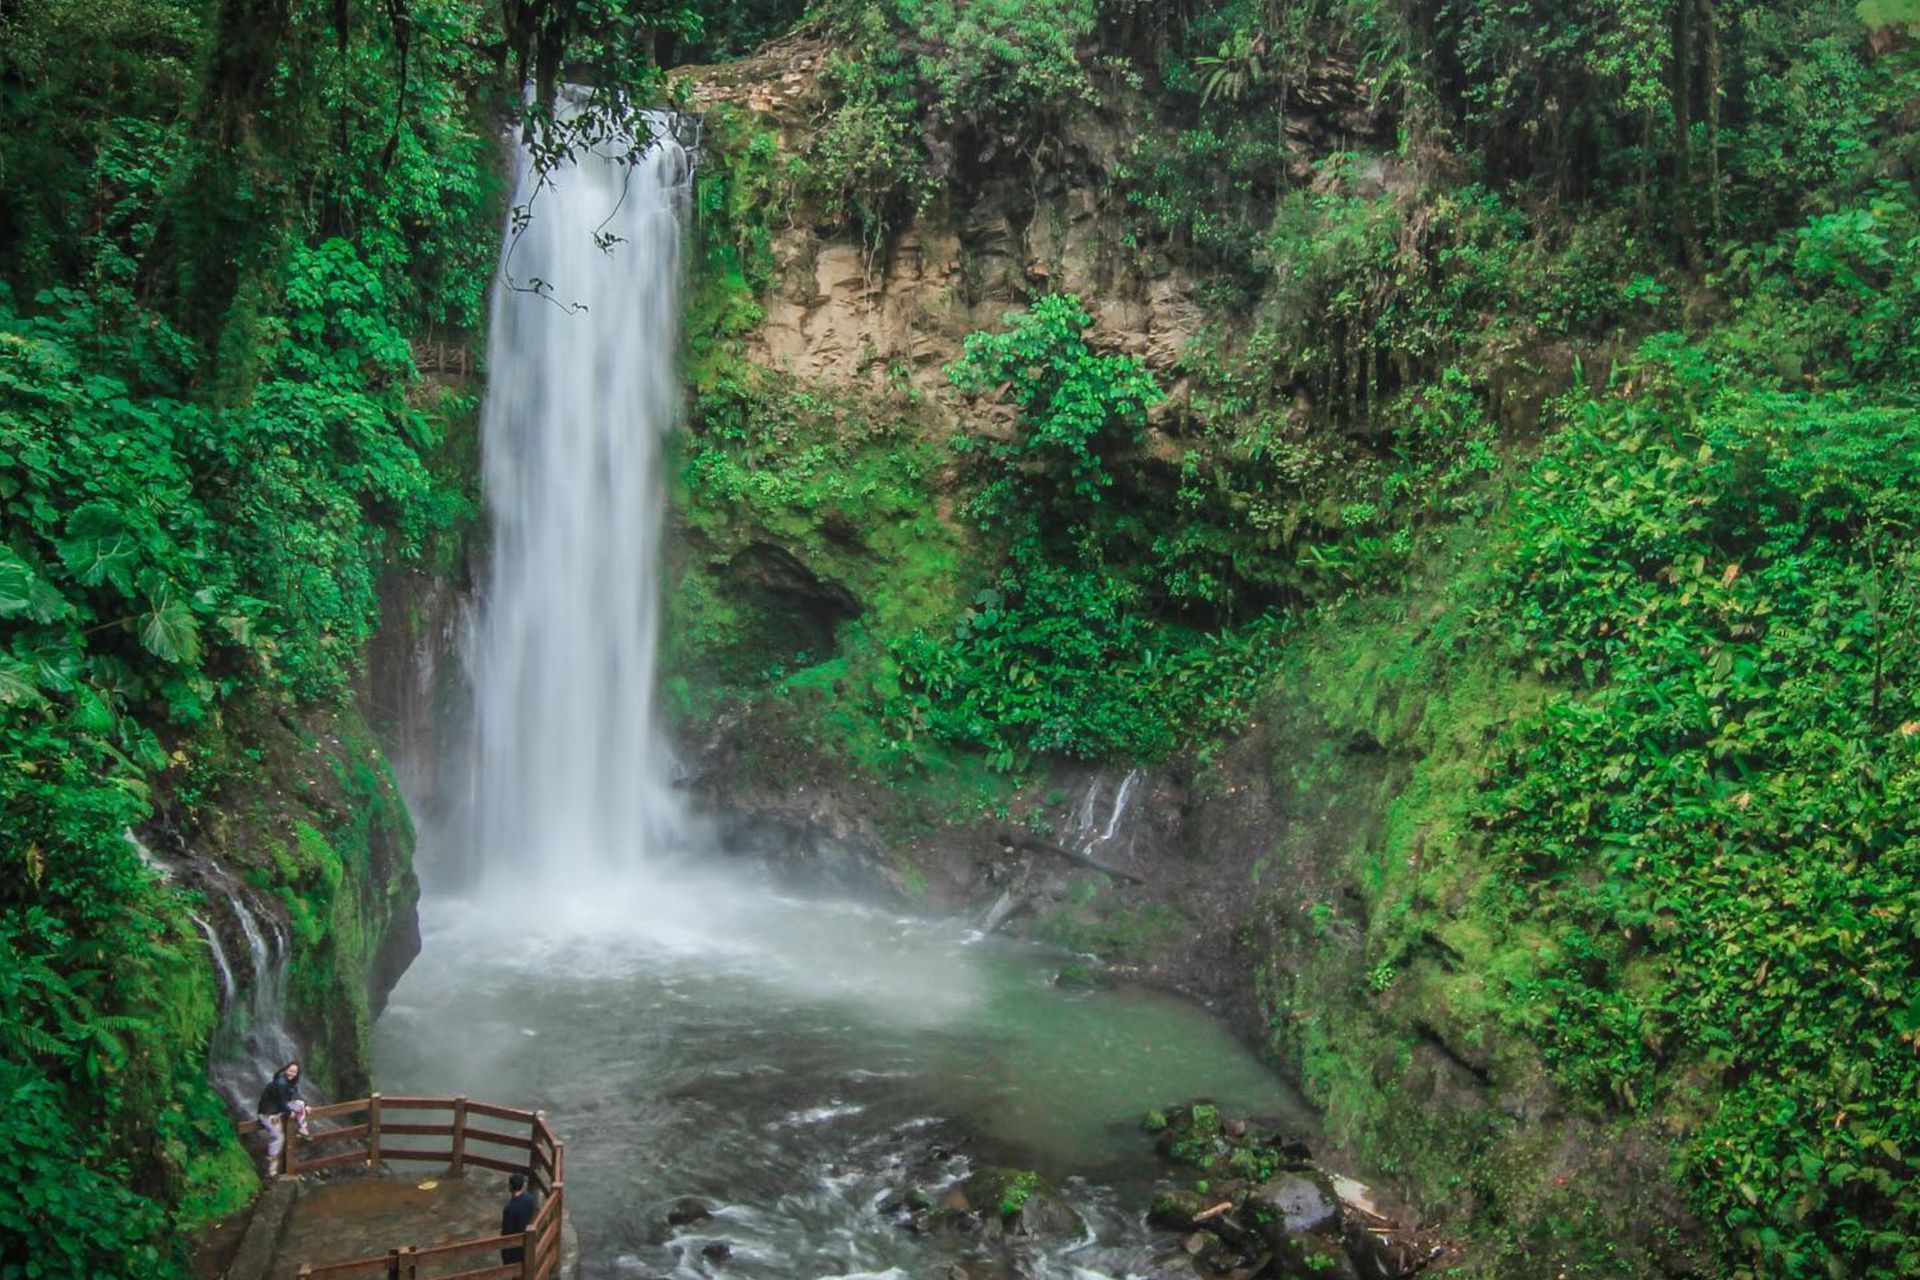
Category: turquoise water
[794,1061]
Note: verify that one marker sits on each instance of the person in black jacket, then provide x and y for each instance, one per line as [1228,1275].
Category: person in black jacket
[517,1216]
[277,1106]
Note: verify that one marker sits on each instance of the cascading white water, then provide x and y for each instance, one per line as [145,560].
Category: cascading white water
[1085,832]
[573,774]
[253,1040]
[222,971]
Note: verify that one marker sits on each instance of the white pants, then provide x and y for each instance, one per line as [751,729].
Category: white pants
[276,1127]
[276,1139]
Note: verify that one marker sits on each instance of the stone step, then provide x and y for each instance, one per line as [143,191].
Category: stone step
[253,1260]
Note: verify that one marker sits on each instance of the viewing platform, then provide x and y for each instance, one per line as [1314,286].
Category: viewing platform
[433,1222]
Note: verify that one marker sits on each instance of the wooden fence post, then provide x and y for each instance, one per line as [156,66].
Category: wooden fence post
[559,1197]
[526,1255]
[533,1144]
[410,1256]
[373,1133]
[289,1144]
[393,1264]
[460,1135]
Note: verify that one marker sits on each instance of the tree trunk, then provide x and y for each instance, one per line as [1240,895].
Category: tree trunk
[1681,88]
[1710,39]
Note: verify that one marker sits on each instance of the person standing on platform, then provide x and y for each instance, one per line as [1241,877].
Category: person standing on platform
[517,1216]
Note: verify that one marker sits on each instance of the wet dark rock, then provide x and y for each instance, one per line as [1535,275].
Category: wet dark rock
[1170,1266]
[1018,1202]
[904,1202]
[1177,1210]
[945,1220]
[1262,1208]
[1313,1256]
[1295,1203]
[716,1251]
[687,1211]
[977,1269]
[1212,1254]
[1384,1255]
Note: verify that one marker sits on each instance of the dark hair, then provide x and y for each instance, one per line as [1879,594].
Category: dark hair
[291,1066]
[516,1181]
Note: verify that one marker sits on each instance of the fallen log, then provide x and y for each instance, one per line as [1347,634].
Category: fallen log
[1023,840]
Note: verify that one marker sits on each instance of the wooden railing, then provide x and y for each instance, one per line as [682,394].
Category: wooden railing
[365,1139]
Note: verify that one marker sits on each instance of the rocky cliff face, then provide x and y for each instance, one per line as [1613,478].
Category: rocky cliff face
[839,314]
[303,858]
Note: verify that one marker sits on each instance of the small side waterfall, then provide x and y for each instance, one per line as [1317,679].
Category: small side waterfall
[573,774]
[222,971]
[253,1040]
[1100,817]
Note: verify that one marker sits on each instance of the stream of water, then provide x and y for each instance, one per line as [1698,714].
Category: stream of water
[794,1062]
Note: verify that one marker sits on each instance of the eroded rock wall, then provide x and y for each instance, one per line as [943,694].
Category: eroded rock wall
[841,313]
[307,826]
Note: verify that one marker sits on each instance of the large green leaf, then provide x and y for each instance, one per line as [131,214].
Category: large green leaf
[99,547]
[171,632]
[22,591]
[17,684]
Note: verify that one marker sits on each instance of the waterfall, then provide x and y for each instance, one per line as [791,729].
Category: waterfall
[1085,831]
[222,971]
[253,1040]
[573,775]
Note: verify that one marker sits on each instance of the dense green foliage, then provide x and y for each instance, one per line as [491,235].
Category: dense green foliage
[1643,835]
[926,90]
[1062,654]
[1717,831]
[212,441]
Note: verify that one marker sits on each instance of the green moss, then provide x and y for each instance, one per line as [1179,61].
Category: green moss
[208,1173]
[217,1176]
[1106,926]
[742,190]
[814,545]
[1016,1191]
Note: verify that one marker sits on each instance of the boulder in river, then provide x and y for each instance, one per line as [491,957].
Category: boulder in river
[1083,976]
[686,1211]
[1019,1202]
[1177,1209]
[1294,1203]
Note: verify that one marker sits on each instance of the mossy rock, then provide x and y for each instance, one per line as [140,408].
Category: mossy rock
[1083,977]
[1176,1209]
[1019,1202]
